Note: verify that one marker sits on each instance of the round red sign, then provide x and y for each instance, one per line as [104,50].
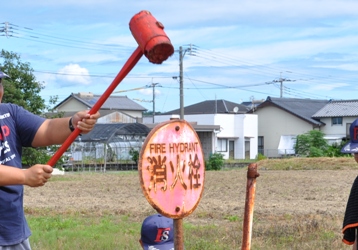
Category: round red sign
[172,168]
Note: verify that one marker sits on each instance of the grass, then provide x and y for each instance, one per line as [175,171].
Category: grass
[298,232]
[86,231]
[75,229]
[83,232]
[295,163]
[68,232]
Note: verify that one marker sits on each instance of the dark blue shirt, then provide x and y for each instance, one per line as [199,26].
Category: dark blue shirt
[18,129]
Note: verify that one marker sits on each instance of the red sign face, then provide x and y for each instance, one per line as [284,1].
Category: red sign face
[172,168]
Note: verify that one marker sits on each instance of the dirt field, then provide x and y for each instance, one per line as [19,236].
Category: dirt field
[295,192]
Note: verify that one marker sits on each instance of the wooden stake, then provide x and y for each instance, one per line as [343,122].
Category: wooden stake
[249,205]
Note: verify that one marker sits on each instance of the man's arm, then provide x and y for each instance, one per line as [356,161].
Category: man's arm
[35,176]
[55,131]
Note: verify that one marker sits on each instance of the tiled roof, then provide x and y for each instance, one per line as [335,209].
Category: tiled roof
[212,107]
[112,102]
[338,108]
[303,108]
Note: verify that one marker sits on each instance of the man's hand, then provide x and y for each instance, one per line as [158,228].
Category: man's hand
[84,121]
[37,175]
[56,131]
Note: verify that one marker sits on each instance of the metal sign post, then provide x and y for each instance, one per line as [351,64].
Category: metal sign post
[249,205]
[172,170]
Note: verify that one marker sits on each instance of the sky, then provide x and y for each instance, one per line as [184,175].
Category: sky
[234,50]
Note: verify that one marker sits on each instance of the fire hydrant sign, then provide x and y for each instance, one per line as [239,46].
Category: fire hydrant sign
[172,168]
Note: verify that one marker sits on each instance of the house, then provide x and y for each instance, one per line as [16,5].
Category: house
[270,128]
[337,115]
[117,131]
[114,109]
[222,126]
[251,105]
[280,120]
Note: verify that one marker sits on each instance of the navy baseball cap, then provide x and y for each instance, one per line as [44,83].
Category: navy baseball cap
[352,145]
[157,233]
[3,75]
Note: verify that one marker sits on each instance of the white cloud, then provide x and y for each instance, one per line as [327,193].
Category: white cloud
[74,73]
[147,92]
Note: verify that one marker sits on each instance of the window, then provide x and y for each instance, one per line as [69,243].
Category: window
[337,121]
[261,145]
[222,145]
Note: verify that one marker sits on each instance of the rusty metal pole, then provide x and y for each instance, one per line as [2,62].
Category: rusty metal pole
[249,205]
[178,234]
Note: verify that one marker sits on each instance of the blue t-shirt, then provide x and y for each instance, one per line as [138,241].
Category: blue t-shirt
[18,129]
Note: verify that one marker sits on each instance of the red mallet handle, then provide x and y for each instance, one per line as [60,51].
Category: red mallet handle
[128,66]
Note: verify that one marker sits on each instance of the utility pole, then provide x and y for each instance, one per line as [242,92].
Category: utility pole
[7,29]
[281,80]
[153,86]
[181,81]
[181,56]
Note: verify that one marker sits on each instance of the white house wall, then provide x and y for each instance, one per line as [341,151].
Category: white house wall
[231,131]
[133,113]
[274,122]
[334,133]
[231,127]
[236,127]
[116,117]
[72,105]
[251,133]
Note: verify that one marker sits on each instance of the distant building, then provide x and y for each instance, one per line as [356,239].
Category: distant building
[118,108]
[280,120]
[222,127]
[337,115]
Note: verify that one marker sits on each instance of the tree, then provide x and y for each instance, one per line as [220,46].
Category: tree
[23,89]
[311,144]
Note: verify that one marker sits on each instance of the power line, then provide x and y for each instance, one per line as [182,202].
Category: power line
[15,31]
[192,80]
[120,91]
[300,93]
[259,68]
[29,34]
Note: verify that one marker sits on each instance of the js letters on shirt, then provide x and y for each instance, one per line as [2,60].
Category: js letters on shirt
[5,149]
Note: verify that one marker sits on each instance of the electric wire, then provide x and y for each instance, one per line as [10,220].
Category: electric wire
[28,34]
[260,68]
[195,51]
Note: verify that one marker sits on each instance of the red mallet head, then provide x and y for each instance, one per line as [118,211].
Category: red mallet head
[150,36]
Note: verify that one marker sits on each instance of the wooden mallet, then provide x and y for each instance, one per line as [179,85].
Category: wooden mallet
[152,42]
